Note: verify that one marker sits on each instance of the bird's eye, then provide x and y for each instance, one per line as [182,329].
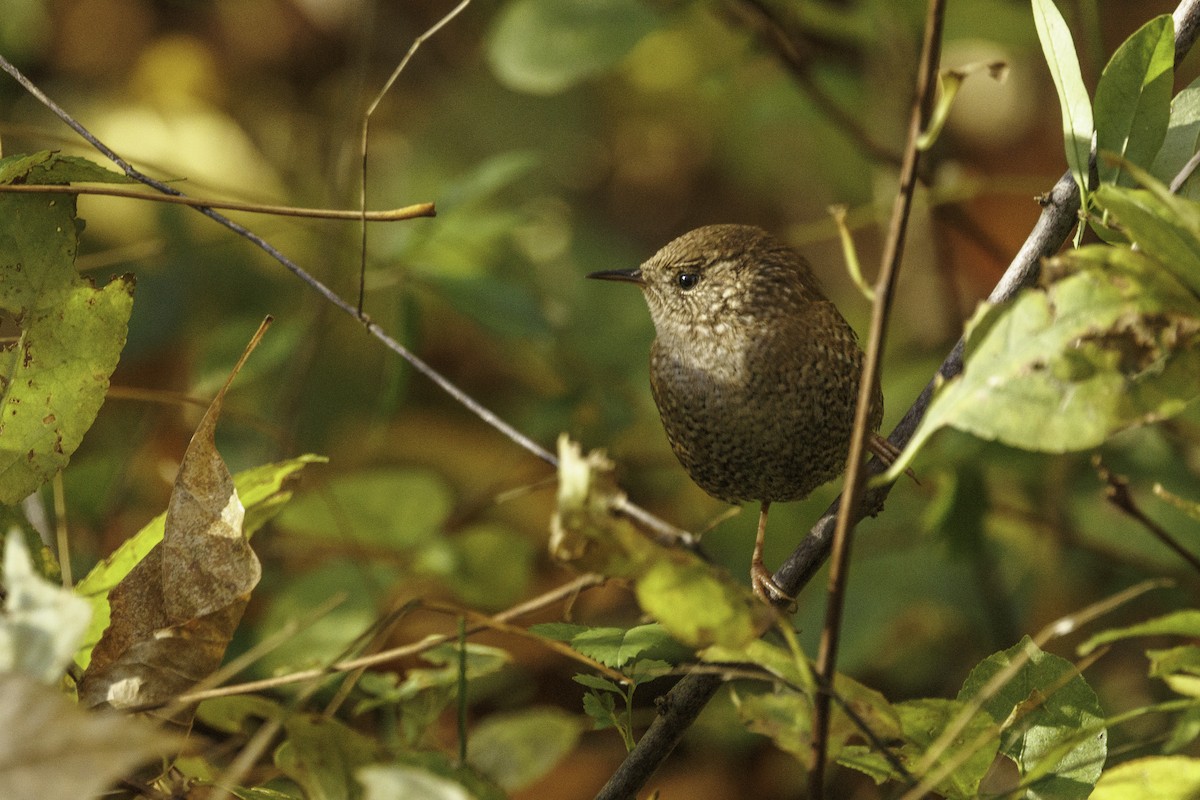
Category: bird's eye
[687,280]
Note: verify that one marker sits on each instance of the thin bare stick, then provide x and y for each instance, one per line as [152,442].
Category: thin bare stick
[1116,491]
[61,533]
[665,531]
[762,19]
[390,215]
[1063,626]
[488,622]
[366,129]
[473,405]
[555,595]
[855,482]
[680,707]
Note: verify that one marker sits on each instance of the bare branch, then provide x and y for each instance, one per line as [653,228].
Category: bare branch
[473,405]
[389,215]
[855,481]
[679,708]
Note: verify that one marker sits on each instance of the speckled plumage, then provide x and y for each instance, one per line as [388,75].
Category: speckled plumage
[754,372]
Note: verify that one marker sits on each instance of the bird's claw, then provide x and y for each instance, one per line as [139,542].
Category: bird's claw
[767,589]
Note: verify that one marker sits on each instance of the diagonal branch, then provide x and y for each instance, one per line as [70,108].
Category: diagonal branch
[855,482]
[760,18]
[473,405]
[679,708]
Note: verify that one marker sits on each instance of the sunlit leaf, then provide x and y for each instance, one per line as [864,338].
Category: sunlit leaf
[1178,667]
[54,376]
[1181,140]
[1163,224]
[47,167]
[696,603]
[1133,98]
[922,723]
[1059,50]
[613,647]
[786,717]
[1154,778]
[1151,222]
[1185,622]
[1110,344]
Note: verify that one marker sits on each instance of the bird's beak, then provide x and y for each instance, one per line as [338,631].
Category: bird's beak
[626,275]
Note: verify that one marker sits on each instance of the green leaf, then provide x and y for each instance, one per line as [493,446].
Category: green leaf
[1044,706]
[1179,668]
[786,717]
[426,691]
[1133,99]
[322,755]
[53,378]
[776,660]
[602,709]
[1059,50]
[516,749]
[612,647]
[1185,731]
[1161,227]
[1179,623]
[1112,343]
[1155,778]
[922,722]
[1180,142]
[233,714]
[48,167]
[599,684]
[261,490]
[696,606]
[547,46]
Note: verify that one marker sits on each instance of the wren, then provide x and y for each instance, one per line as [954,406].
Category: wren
[754,371]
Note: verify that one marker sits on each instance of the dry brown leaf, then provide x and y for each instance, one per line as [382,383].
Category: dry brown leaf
[174,613]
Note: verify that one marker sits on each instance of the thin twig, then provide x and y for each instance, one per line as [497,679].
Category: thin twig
[1060,627]
[473,405]
[555,595]
[1116,491]
[366,129]
[662,529]
[758,16]
[390,215]
[893,250]
[680,707]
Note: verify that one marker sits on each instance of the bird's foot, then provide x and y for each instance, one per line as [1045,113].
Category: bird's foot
[767,589]
[888,453]
[884,450]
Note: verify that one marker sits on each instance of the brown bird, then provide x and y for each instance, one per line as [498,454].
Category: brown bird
[754,372]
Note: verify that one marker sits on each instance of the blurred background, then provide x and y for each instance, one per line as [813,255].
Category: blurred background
[555,142]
